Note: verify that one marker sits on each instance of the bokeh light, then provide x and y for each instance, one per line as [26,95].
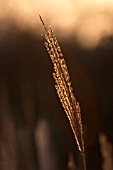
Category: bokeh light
[88,21]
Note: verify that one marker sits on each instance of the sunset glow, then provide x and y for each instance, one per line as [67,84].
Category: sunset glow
[86,20]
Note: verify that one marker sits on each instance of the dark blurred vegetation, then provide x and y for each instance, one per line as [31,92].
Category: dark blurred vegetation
[28,96]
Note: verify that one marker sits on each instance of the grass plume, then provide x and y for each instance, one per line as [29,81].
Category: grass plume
[64,88]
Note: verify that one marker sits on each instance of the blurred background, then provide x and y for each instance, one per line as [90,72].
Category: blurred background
[34,131]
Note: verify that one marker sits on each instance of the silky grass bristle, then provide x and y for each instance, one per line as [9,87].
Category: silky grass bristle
[64,88]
